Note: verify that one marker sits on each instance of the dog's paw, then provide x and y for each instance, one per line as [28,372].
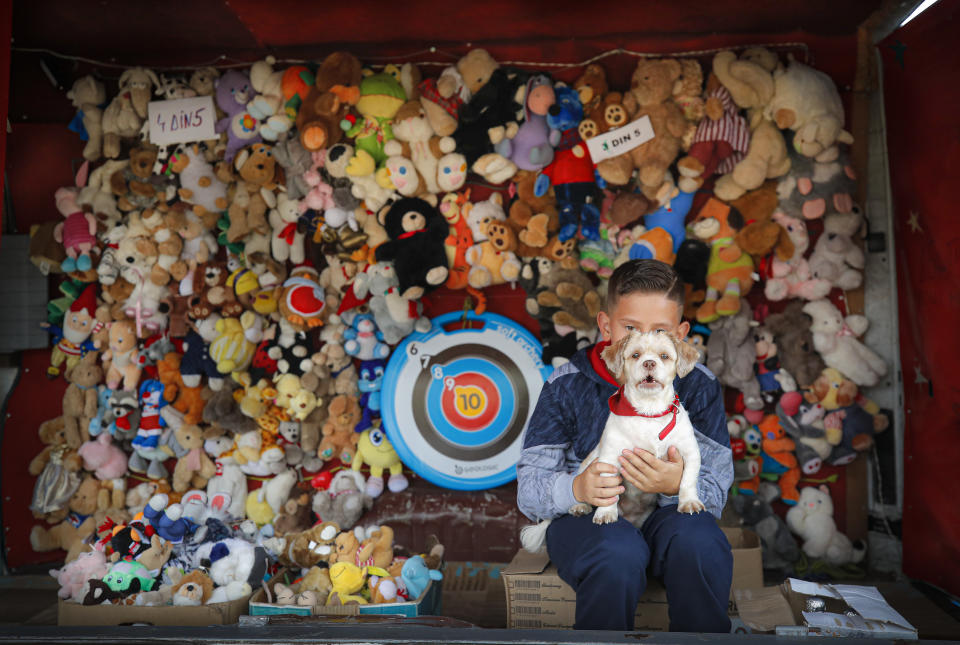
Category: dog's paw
[580,509]
[690,506]
[604,516]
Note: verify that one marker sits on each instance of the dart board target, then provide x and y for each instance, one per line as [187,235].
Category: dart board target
[455,403]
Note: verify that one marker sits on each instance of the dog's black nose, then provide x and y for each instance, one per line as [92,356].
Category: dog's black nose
[650,365]
[554,110]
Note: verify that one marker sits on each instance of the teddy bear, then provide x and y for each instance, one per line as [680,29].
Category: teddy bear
[336,87]
[188,401]
[850,420]
[491,114]
[339,439]
[749,80]
[731,353]
[571,173]
[307,548]
[729,269]
[762,233]
[124,116]
[286,242]
[835,337]
[295,515]
[806,101]
[603,111]
[375,450]
[87,509]
[56,468]
[812,520]
[442,98]
[260,174]
[493,261]
[87,95]
[791,277]
[363,548]
[791,331]
[194,588]
[837,258]
[79,403]
[535,220]
[344,501]
[267,104]
[194,469]
[335,370]
[779,548]
[396,317]
[416,231]
[650,93]
[415,140]
[135,185]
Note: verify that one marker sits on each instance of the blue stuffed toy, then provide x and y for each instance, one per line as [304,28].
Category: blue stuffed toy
[571,173]
[97,423]
[369,381]
[416,576]
[364,340]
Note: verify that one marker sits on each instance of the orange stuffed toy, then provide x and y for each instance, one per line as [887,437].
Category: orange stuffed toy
[729,270]
[778,460]
[187,400]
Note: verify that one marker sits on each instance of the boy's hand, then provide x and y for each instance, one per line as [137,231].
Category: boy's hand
[652,475]
[594,488]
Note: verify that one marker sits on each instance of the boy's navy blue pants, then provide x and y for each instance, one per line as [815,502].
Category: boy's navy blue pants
[607,567]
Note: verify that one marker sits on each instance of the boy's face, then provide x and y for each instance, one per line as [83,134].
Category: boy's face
[644,312]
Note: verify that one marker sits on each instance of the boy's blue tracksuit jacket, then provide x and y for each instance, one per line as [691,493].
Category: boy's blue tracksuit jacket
[569,420]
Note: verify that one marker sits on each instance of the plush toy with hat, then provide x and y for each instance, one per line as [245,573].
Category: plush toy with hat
[417,232]
[381,96]
[303,301]
[730,270]
[73,339]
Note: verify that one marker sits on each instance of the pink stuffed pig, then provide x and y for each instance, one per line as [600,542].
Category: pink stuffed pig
[104,459]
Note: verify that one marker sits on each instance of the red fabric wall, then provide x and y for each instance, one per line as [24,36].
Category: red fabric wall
[920,63]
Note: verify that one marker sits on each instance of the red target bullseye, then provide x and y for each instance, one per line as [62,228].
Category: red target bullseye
[470,401]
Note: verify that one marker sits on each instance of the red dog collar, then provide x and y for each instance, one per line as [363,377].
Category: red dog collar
[620,406]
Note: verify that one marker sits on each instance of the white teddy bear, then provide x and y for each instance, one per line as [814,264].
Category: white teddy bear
[835,339]
[286,242]
[812,520]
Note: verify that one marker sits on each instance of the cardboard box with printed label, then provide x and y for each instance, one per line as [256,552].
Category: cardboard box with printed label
[538,598]
[846,610]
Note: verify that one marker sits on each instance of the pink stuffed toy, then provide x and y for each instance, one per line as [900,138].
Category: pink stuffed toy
[792,278]
[104,459]
[320,197]
[78,232]
[91,565]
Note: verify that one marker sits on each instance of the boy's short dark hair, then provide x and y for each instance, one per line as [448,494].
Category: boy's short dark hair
[644,276]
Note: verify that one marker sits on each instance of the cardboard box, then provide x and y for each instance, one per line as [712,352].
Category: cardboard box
[428,604]
[538,598]
[782,609]
[221,613]
[474,592]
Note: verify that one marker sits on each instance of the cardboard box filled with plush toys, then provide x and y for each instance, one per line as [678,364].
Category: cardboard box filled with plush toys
[235,300]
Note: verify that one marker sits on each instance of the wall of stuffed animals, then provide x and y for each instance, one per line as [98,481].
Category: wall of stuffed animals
[224,309]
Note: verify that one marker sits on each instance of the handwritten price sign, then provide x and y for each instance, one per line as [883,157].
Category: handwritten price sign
[182,120]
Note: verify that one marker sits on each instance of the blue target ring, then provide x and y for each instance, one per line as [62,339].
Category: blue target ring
[456,402]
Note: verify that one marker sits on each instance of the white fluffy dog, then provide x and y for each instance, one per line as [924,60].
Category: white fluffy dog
[645,413]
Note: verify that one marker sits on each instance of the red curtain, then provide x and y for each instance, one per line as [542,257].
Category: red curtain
[920,63]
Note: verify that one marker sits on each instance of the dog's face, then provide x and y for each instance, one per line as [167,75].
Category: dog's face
[650,360]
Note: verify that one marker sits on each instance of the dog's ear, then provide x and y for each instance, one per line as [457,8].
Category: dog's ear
[613,357]
[687,357]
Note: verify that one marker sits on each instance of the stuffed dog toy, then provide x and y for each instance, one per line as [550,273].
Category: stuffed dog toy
[645,413]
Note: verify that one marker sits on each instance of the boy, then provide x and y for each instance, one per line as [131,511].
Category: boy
[606,565]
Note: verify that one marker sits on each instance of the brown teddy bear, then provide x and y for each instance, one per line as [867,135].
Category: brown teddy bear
[791,332]
[80,399]
[114,296]
[307,548]
[188,401]
[568,291]
[194,588]
[195,468]
[339,439]
[87,510]
[376,550]
[260,174]
[56,466]
[761,234]
[335,89]
[650,94]
[296,514]
[132,184]
[535,221]
[603,111]
[493,261]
